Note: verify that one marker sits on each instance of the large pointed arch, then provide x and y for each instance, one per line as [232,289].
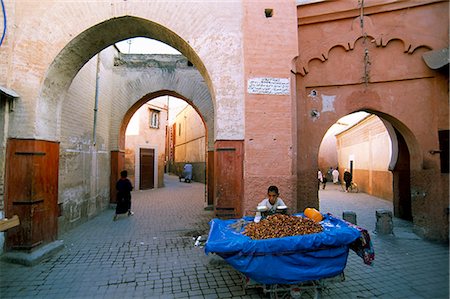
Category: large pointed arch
[90,42]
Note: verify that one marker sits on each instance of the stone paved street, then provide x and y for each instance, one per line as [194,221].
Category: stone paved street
[151,255]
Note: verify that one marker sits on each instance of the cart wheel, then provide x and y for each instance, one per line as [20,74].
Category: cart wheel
[187,180]
[273,294]
[296,293]
[317,293]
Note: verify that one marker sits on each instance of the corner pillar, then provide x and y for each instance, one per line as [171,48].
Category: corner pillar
[210,178]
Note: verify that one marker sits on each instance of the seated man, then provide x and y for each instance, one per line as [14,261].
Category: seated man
[272,202]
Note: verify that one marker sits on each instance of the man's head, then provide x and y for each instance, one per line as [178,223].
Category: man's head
[123,174]
[272,194]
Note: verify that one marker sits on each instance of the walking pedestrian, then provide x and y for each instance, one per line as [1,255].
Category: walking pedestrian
[347,179]
[123,187]
[335,174]
[324,182]
[319,178]
[330,174]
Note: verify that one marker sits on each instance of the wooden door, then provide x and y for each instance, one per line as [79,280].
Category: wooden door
[147,168]
[228,178]
[31,192]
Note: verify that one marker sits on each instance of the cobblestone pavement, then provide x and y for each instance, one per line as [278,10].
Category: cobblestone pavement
[151,255]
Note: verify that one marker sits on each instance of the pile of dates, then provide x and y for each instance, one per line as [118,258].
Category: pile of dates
[279,225]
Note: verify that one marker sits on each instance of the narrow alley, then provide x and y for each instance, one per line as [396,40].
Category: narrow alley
[152,255]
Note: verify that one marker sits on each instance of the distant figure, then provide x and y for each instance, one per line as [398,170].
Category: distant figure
[123,187]
[335,175]
[186,173]
[319,178]
[330,174]
[347,179]
[324,182]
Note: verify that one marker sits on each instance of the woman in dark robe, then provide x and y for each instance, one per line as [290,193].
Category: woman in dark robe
[123,187]
[347,179]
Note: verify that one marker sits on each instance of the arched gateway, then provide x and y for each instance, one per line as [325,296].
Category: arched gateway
[265,116]
[367,62]
[74,143]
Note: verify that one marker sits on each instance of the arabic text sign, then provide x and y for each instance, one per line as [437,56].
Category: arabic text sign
[277,86]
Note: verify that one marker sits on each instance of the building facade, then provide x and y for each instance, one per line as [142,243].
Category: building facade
[270,79]
[347,71]
[145,145]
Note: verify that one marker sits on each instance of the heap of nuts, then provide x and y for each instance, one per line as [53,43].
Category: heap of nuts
[279,225]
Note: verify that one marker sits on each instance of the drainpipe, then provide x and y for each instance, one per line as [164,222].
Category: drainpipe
[97,79]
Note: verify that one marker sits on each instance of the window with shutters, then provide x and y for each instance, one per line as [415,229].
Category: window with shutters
[154,118]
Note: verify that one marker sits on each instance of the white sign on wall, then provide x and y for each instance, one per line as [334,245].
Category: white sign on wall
[276,86]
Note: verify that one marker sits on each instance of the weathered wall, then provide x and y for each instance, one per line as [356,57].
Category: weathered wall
[84,158]
[7,45]
[400,88]
[368,144]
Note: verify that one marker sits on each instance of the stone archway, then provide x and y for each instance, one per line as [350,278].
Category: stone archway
[117,157]
[50,103]
[87,44]
[131,88]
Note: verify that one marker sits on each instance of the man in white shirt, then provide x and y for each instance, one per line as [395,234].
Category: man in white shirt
[272,202]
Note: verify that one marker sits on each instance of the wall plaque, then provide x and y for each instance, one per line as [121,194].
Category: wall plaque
[276,86]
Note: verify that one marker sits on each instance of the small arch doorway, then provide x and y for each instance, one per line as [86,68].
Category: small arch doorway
[376,152]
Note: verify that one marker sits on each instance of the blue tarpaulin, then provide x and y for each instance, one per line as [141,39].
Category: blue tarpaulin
[287,260]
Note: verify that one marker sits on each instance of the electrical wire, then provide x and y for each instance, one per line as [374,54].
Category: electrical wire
[4,23]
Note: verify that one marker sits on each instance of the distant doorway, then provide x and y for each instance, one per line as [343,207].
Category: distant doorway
[146,168]
[402,184]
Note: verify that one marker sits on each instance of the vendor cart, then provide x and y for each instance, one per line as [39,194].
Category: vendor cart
[284,267]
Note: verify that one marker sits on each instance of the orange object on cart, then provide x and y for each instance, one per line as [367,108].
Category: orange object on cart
[313,214]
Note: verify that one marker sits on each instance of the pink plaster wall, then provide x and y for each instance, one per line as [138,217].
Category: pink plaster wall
[270,45]
[401,89]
